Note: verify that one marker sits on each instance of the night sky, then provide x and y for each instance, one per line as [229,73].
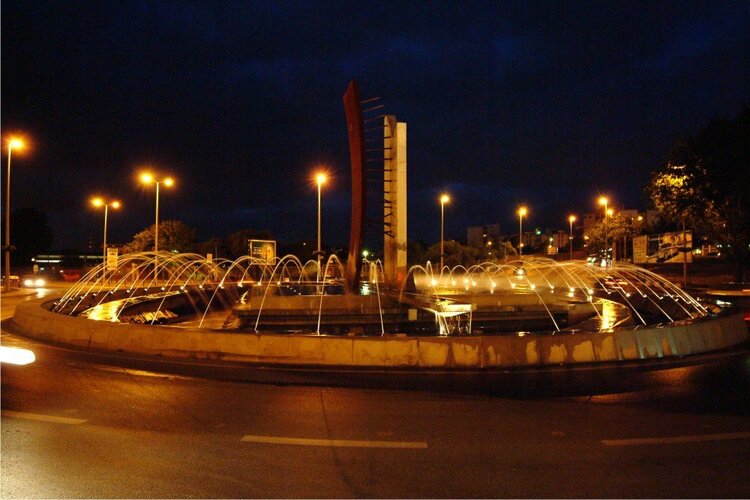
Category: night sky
[547,103]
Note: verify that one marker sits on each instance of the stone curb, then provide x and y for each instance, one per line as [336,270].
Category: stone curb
[459,353]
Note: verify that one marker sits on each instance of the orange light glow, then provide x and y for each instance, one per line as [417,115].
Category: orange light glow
[16,355]
[16,143]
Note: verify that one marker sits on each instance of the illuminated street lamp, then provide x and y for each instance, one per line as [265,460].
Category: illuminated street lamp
[571,220]
[148,178]
[99,202]
[444,198]
[320,179]
[13,143]
[522,211]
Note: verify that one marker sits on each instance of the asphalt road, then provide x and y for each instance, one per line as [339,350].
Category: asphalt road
[74,425]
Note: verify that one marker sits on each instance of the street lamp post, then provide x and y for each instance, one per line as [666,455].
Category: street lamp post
[521,212]
[17,144]
[604,201]
[98,202]
[443,200]
[150,179]
[320,179]
[571,220]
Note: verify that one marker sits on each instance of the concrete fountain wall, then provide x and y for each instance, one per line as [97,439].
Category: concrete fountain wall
[477,352]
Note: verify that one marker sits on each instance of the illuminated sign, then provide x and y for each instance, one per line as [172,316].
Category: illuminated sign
[662,248]
[263,249]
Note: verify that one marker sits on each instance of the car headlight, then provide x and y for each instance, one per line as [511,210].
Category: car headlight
[39,282]
[28,282]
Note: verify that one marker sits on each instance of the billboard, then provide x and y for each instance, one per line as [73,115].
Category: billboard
[112,256]
[262,249]
[662,248]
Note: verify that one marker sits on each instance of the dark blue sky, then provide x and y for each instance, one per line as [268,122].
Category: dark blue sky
[548,103]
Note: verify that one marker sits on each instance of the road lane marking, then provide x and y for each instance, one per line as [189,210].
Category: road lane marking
[677,440]
[43,418]
[340,443]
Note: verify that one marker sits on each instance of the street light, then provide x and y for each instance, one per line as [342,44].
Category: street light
[444,198]
[522,211]
[13,143]
[605,203]
[99,202]
[571,220]
[148,178]
[320,179]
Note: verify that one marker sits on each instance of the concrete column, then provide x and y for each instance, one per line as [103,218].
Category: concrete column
[394,251]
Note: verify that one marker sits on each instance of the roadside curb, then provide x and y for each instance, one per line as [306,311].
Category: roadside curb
[484,353]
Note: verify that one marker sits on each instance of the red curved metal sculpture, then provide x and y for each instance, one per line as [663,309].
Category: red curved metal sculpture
[355,127]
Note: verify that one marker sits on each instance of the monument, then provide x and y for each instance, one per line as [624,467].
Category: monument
[393,160]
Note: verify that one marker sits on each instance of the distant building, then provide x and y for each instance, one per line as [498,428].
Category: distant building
[630,214]
[479,236]
[589,220]
[559,239]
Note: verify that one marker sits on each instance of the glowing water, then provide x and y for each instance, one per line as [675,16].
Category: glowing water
[451,294]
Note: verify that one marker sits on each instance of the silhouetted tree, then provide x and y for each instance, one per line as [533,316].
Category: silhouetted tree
[174,236]
[301,249]
[616,229]
[707,182]
[455,254]
[415,253]
[214,246]
[30,234]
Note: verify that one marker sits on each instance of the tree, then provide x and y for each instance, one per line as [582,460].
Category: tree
[174,236]
[415,252]
[616,228]
[214,246]
[706,181]
[455,254]
[30,234]
[502,250]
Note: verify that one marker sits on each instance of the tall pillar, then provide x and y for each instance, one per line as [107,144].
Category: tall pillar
[394,251]
[355,128]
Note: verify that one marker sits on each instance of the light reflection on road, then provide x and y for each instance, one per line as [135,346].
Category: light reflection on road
[12,299]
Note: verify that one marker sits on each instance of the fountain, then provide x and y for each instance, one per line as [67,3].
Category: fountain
[524,312]
[530,296]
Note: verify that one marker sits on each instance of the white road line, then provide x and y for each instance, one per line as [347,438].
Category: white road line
[677,439]
[341,443]
[43,418]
